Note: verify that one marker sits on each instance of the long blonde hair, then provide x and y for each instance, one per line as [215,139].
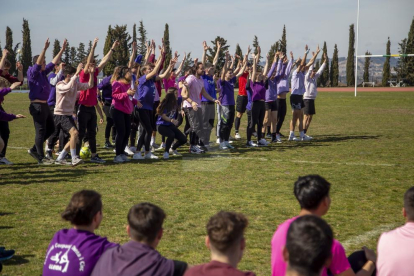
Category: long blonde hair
[115,74]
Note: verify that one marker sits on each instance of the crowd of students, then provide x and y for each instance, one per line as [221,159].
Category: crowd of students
[302,245]
[64,102]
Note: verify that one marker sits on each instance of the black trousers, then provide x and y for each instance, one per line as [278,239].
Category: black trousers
[4,134]
[258,113]
[281,114]
[146,118]
[122,123]
[87,123]
[43,123]
[134,127]
[172,132]
[227,119]
[109,122]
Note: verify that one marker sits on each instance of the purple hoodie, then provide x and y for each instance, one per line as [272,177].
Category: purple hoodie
[38,83]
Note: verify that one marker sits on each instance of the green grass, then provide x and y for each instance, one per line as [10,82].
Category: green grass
[363,146]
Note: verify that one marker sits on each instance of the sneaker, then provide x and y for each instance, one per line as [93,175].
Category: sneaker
[4,161]
[34,155]
[138,156]
[150,156]
[251,144]
[228,145]
[306,138]
[49,154]
[161,147]
[281,135]
[194,150]
[166,155]
[46,161]
[6,254]
[108,145]
[262,142]
[76,161]
[128,151]
[223,146]
[175,152]
[97,159]
[254,134]
[237,136]
[133,149]
[118,159]
[63,162]
[218,141]
[200,149]
[154,145]
[293,138]
[268,135]
[278,138]
[125,158]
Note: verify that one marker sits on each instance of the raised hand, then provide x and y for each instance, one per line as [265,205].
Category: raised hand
[205,46]
[19,66]
[65,44]
[134,46]
[47,44]
[14,85]
[79,68]
[218,44]
[5,52]
[306,47]
[148,44]
[291,54]
[195,61]
[185,56]
[95,42]
[116,44]
[176,55]
[249,49]
[325,57]
[317,49]
[62,66]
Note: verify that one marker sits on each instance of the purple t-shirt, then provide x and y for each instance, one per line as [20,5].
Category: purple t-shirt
[133,258]
[38,83]
[227,92]
[74,252]
[171,114]
[338,264]
[259,91]
[146,92]
[209,86]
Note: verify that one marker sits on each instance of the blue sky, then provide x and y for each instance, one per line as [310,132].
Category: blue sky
[191,22]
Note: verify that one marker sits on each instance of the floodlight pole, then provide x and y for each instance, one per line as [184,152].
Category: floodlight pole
[356,53]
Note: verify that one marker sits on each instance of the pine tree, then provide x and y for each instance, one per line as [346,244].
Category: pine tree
[273,49]
[9,46]
[110,65]
[366,67]
[350,63]
[66,58]
[334,74]
[255,45]
[142,40]
[401,67]
[73,57]
[410,50]
[239,51]
[134,33]
[324,78]
[121,55]
[386,70]
[56,47]
[168,51]
[81,53]
[212,52]
[26,55]
[283,45]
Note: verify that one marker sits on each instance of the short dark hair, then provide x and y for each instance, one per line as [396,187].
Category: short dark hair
[83,207]
[7,63]
[309,243]
[145,221]
[310,190]
[35,59]
[224,229]
[69,70]
[409,203]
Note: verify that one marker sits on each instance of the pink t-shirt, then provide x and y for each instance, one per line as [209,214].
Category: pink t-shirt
[169,83]
[195,86]
[396,252]
[339,260]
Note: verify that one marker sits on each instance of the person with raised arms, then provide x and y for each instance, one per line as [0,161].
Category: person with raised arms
[66,95]
[39,93]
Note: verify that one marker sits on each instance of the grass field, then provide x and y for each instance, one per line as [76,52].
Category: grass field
[363,146]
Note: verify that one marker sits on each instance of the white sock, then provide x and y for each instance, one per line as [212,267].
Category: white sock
[292,133]
[152,140]
[302,134]
[73,153]
[62,155]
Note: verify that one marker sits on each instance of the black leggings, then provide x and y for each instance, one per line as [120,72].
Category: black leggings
[180,121]
[258,113]
[172,132]
[227,119]
[122,123]
[134,127]
[87,122]
[145,119]
[281,104]
[109,122]
[44,125]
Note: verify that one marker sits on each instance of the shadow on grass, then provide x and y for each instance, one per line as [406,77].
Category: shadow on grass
[5,214]
[18,260]
[338,138]
[6,227]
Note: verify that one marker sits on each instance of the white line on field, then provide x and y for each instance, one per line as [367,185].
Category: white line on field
[16,148]
[364,238]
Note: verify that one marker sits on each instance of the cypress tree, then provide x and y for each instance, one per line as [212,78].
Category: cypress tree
[134,33]
[366,67]
[73,57]
[410,50]
[26,55]
[9,46]
[255,45]
[81,53]
[324,78]
[334,74]
[212,52]
[401,67]
[386,70]
[168,51]
[56,47]
[283,46]
[350,64]
[110,65]
[239,51]
[142,40]
[273,49]
[66,58]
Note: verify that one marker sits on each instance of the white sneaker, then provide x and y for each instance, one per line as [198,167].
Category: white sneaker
[125,158]
[262,142]
[133,149]
[218,141]
[150,155]
[118,159]
[161,147]
[278,139]
[293,138]
[223,146]
[194,150]
[138,156]
[166,155]
[4,161]
[251,144]
[175,152]
[114,150]
[200,149]
[228,145]
[129,151]
[76,161]
[306,138]
[237,136]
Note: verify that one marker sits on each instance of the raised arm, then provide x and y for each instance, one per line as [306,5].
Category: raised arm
[243,69]
[322,67]
[3,58]
[167,72]
[238,67]
[314,57]
[217,53]
[290,65]
[108,56]
[303,61]
[133,54]
[205,48]
[266,66]
[91,55]
[259,51]
[224,71]
[56,59]
[272,69]
[43,53]
[156,68]
[147,53]
[54,81]
[180,68]
[254,68]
